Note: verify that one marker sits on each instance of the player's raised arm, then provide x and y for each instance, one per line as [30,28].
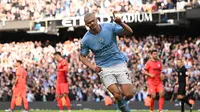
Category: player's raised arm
[126,29]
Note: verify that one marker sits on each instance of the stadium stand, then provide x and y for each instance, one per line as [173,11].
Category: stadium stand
[84,83]
[56,25]
[39,9]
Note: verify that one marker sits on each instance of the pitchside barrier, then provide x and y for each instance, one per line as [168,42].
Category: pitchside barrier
[97,106]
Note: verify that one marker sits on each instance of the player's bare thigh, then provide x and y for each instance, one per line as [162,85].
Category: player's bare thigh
[127,90]
[114,89]
[161,90]
[180,97]
[59,95]
[153,95]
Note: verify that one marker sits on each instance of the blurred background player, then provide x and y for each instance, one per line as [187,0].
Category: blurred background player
[62,82]
[19,87]
[183,84]
[110,62]
[153,69]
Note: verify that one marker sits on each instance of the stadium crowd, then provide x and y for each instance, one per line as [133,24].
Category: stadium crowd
[38,9]
[84,83]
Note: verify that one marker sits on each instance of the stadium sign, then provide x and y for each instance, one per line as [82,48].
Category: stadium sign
[126,17]
[136,17]
[164,17]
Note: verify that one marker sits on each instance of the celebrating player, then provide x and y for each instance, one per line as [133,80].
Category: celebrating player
[110,62]
[62,83]
[19,87]
[153,69]
[183,85]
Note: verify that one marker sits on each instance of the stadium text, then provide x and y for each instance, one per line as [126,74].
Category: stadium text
[136,17]
[127,17]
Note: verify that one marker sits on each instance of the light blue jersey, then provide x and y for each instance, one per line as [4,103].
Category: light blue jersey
[104,45]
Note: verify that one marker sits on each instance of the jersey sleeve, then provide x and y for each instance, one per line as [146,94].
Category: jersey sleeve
[24,74]
[84,48]
[160,66]
[147,66]
[64,63]
[186,72]
[18,72]
[117,29]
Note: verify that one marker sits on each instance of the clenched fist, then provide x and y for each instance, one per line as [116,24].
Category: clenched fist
[118,20]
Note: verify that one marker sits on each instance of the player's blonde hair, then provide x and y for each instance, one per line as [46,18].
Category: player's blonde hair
[88,15]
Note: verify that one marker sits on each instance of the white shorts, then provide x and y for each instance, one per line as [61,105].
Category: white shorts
[118,74]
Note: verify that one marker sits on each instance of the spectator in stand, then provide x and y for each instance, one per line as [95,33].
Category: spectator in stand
[39,9]
[84,84]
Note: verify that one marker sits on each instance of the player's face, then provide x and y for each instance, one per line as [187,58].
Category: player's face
[56,57]
[155,55]
[17,64]
[91,22]
[179,63]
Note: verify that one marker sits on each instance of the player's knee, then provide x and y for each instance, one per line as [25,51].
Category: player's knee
[179,97]
[162,95]
[23,98]
[118,96]
[58,96]
[153,96]
[65,95]
[128,96]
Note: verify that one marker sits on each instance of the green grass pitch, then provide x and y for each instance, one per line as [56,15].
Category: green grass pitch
[100,111]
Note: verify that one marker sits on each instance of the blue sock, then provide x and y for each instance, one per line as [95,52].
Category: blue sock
[123,106]
[115,106]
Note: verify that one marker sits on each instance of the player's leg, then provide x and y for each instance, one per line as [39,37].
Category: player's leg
[125,81]
[126,85]
[14,97]
[23,95]
[122,104]
[65,91]
[68,103]
[161,96]
[59,101]
[110,82]
[186,100]
[12,104]
[180,97]
[114,103]
[152,93]
[58,97]
[13,101]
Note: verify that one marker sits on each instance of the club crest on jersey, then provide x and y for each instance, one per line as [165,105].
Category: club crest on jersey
[101,40]
[180,74]
[158,65]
